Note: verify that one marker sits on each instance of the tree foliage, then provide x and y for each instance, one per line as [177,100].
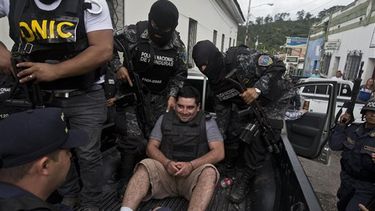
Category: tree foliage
[271,33]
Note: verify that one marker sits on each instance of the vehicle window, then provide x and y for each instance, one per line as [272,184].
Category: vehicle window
[345,90]
[321,89]
[309,89]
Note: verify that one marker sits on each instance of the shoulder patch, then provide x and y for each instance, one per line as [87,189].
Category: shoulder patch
[265,60]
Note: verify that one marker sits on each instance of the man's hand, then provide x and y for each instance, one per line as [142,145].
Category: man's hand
[345,118]
[171,167]
[185,168]
[110,102]
[171,103]
[123,74]
[5,60]
[362,207]
[249,95]
[33,71]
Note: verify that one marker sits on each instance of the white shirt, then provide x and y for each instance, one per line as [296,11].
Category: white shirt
[93,22]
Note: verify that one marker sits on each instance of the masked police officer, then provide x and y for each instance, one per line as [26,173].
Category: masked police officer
[154,51]
[61,46]
[357,143]
[236,81]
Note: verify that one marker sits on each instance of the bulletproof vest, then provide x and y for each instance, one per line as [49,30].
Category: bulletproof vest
[154,65]
[356,158]
[51,37]
[184,141]
[227,92]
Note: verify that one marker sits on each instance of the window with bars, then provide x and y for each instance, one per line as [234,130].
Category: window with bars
[192,39]
[353,60]
[214,38]
[326,62]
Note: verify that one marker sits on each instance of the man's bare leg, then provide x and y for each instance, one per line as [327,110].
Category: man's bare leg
[137,188]
[203,191]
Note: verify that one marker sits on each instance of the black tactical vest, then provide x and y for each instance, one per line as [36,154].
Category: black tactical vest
[51,36]
[184,141]
[154,65]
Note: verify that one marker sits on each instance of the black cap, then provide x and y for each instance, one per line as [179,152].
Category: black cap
[164,13]
[29,135]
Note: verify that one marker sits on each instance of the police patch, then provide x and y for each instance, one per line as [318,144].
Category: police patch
[265,60]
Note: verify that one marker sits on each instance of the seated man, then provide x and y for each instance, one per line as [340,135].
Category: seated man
[34,157]
[183,147]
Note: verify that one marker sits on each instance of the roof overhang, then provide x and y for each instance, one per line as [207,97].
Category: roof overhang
[234,9]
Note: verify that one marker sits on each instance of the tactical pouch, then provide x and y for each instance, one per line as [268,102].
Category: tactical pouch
[250,133]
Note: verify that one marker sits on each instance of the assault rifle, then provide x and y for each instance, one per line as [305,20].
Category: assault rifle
[350,104]
[31,89]
[261,126]
[137,93]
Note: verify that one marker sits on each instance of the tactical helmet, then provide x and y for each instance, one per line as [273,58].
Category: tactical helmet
[369,106]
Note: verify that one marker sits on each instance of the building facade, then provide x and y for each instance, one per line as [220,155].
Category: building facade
[342,41]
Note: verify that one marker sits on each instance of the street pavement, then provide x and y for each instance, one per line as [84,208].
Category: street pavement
[325,179]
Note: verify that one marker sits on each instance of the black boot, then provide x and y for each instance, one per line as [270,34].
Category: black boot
[127,164]
[241,186]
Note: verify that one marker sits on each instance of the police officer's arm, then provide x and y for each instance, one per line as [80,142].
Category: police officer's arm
[262,86]
[5,62]
[98,52]
[126,35]
[339,134]
[154,152]
[177,80]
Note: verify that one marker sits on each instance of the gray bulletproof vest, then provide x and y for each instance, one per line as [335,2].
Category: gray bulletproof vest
[184,141]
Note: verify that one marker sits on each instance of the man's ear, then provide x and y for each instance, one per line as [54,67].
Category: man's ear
[199,106]
[42,165]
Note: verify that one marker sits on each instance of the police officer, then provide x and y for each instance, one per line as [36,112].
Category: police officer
[256,77]
[35,158]
[63,44]
[154,49]
[357,143]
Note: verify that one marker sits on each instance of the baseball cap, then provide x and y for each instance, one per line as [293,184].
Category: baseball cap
[29,135]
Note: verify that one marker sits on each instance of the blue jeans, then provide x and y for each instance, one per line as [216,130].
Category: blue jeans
[88,113]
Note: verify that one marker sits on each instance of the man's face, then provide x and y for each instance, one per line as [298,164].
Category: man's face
[370,117]
[61,166]
[186,109]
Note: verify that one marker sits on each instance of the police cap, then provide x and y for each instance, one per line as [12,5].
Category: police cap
[29,135]
[369,106]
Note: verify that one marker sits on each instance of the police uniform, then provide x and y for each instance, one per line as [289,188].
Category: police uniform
[227,79]
[52,33]
[162,71]
[357,144]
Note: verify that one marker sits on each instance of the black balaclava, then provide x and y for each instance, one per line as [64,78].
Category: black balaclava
[165,15]
[206,53]
[47,1]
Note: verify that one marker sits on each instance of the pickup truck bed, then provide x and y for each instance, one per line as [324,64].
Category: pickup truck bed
[262,194]
[281,184]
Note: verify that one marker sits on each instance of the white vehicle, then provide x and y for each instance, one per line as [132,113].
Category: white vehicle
[315,97]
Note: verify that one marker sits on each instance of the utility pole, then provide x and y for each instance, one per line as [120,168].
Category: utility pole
[247,24]
[248,20]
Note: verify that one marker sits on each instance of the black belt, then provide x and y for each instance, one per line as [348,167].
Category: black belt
[73,93]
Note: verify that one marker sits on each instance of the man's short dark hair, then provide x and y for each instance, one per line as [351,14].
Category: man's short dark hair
[190,92]
[17,173]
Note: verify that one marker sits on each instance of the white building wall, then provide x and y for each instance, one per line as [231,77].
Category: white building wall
[354,39]
[207,13]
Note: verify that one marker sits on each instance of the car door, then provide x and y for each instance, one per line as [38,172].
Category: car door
[308,133]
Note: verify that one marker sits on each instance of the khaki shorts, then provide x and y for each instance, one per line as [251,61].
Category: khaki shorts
[164,185]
